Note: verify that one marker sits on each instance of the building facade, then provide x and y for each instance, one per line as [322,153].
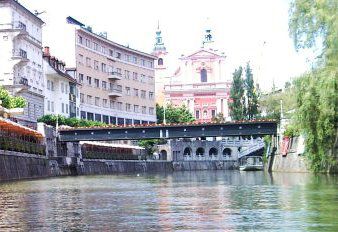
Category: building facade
[200,83]
[21,70]
[61,89]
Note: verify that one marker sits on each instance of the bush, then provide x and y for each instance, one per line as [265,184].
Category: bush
[50,119]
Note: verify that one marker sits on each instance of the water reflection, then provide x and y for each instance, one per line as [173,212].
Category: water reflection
[184,201]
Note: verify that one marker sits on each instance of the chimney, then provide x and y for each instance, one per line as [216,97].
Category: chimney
[46,51]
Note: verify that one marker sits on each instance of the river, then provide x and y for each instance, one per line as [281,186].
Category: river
[181,201]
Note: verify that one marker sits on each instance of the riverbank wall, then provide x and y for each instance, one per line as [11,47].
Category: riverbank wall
[292,162]
[18,166]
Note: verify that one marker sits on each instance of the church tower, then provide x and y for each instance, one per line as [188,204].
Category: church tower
[161,66]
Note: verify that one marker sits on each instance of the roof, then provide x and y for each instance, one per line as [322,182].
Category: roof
[15,127]
[117,145]
[203,53]
[119,45]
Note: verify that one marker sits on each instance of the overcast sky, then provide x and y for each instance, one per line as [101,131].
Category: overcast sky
[240,28]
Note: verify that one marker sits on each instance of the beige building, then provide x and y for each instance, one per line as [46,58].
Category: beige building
[117,82]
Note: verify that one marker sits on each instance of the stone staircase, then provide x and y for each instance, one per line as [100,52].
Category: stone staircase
[259,145]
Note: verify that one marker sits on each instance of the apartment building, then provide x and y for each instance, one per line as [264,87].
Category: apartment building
[21,58]
[61,87]
[117,82]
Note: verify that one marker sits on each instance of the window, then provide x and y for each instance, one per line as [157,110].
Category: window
[111,52]
[103,50]
[118,70]
[136,92]
[96,46]
[97,101]
[126,57]
[105,103]
[104,85]
[89,80]
[119,105]
[205,114]
[143,94]
[151,95]
[80,39]
[160,61]
[128,107]
[80,77]
[144,109]
[90,116]
[62,107]
[204,77]
[135,76]
[97,83]
[126,74]
[96,65]
[136,108]
[88,62]
[134,59]
[81,97]
[89,100]
[48,84]
[143,62]
[151,110]
[88,43]
[197,113]
[128,91]
[80,59]
[62,88]
[67,107]
[52,86]
[118,55]
[103,67]
[112,104]
[213,113]
[66,88]
[48,106]
[52,106]
[143,78]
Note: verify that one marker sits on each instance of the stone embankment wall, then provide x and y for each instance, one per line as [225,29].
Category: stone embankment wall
[292,162]
[98,167]
[17,166]
[204,165]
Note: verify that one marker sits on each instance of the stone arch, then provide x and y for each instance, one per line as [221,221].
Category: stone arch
[213,151]
[200,151]
[160,61]
[187,151]
[227,152]
[163,155]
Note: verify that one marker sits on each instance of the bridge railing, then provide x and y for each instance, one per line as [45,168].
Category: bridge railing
[251,149]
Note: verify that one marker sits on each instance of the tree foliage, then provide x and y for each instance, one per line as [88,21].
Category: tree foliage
[251,109]
[9,101]
[312,22]
[51,119]
[237,104]
[219,118]
[174,114]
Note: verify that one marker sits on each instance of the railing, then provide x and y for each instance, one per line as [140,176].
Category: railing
[15,144]
[13,25]
[20,53]
[108,156]
[240,143]
[251,149]
[115,74]
[24,81]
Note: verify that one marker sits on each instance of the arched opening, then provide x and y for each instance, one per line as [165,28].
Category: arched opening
[200,151]
[227,152]
[205,114]
[204,75]
[187,151]
[213,152]
[163,155]
[160,61]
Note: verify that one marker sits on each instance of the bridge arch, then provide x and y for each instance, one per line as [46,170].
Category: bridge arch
[187,151]
[213,151]
[200,151]
[227,152]
[163,155]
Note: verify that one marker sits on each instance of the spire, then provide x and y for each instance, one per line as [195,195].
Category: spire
[159,45]
[208,37]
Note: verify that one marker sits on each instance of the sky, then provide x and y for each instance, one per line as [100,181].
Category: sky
[246,30]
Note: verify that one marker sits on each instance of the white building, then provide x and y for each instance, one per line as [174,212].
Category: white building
[61,89]
[21,57]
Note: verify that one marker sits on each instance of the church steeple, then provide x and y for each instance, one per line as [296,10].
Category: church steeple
[159,45]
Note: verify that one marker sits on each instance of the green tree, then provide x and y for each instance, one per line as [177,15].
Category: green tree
[251,94]
[316,92]
[237,104]
[219,118]
[51,119]
[174,114]
[9,101]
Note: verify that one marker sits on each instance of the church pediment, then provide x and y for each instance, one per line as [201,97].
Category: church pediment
[203,54]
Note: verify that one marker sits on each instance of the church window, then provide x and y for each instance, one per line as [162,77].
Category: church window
[204,77]
[160,61]
[197,114]
[205,114]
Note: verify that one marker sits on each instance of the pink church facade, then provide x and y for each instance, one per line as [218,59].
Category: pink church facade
[201,85]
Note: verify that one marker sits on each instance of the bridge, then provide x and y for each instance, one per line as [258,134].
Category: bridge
[169,131]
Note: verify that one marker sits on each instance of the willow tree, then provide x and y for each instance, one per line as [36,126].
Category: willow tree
[314,23]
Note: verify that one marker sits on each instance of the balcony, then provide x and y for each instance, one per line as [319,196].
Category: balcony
[16,25]
[20,54]
[72,97]
[114,76]
[23,81]
[115,92]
